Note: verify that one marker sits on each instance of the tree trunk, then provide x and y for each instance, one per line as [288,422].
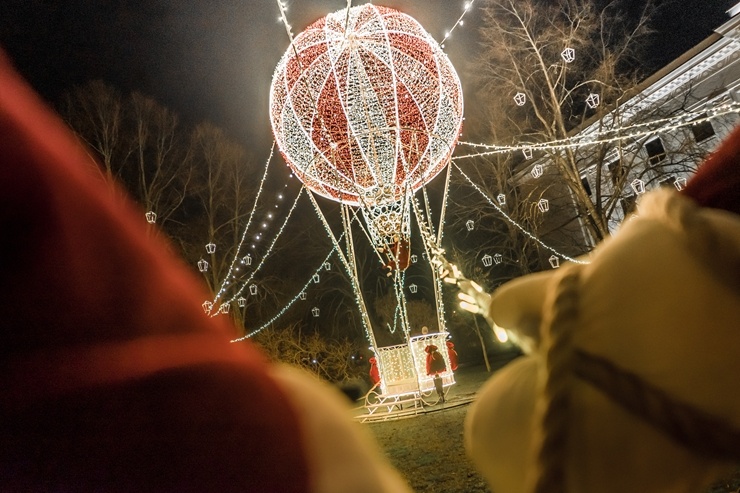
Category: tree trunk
[482,344]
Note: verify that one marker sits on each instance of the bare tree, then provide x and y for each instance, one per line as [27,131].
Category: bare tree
[220,179]
[96,113]
[523,54]
[160,154]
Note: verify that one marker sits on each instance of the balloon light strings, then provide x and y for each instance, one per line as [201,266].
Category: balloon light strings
[266,255]
[516,224]
[225,282]
[466,8]
[291,302]
[348,268]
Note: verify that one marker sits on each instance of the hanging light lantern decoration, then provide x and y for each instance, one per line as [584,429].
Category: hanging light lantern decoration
[247,260]
[327,266]
[303,295]
[527,151]
[366,108]
[413,288]
[202,265]
[554,261]
[253,289]
[315,311]
[414,258]
[498,258]
[638,186]
[207,306]
[224,308]
[470,225]
[520,99]
[593,100]
[151,217]
[568,55]
[543,205]
[537,170]
[680,183]
[241,301]
[211,248]
[501,199]
[316,278]
[487,260]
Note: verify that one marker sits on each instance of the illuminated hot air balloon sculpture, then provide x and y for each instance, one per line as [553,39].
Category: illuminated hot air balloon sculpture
[366,109]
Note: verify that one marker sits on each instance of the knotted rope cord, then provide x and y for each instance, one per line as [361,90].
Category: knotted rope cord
[697,430]
[693,428]
[556,399]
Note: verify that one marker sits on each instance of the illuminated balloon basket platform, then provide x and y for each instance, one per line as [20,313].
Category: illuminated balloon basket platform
[405,389]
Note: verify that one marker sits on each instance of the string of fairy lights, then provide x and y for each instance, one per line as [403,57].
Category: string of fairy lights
[467,6]
[599,137]
[237,254]
[671,124]
[691,118]
[301,295]
[267,254]
[513,222]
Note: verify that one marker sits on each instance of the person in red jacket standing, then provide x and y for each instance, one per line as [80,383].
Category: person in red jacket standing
[436,365]
[374,371]
[452,355]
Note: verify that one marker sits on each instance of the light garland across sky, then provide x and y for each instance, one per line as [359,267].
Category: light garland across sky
[516,224]
[264,258]
[466,8]
[282,311]
[237,256]
[630,132]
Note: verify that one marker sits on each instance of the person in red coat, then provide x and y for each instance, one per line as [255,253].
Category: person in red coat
[112,379]
[452,355]
[436,365]
[374,371]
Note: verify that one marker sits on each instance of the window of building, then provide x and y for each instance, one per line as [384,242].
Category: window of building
[586,185]
[702,130]
[655,150]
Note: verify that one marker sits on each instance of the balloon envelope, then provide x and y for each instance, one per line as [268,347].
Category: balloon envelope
[365,106]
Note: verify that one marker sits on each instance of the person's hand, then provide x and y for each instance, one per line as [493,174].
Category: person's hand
[475,300]
[473,297]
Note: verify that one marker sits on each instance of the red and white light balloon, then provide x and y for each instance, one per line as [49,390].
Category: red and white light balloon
[365,106]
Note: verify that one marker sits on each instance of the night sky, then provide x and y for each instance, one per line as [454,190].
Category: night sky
[213,60]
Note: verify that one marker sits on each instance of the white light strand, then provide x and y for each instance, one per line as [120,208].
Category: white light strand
[269,249]
[348,268]
[284,19]
[399,279]
[434,250]
[671,123]
[516,224]
[466,7]
[246,228]
[298,296]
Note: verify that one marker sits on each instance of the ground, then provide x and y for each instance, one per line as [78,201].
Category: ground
[428,449]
